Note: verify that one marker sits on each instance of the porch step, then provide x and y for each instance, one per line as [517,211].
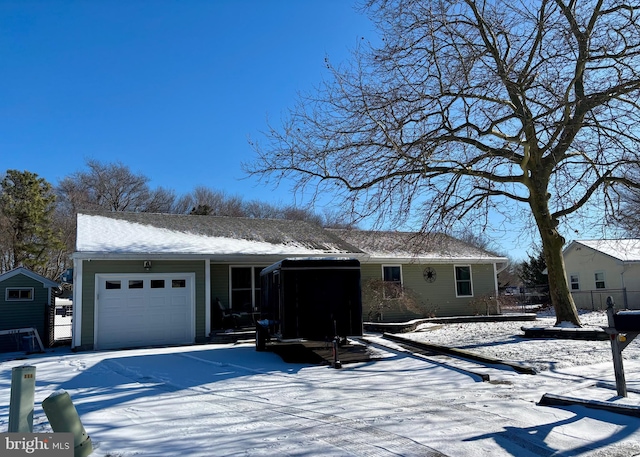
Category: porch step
[233,336]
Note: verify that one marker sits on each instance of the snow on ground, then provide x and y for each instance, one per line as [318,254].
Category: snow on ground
[228,400]
[506,342]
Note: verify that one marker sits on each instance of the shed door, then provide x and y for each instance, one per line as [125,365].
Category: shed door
[135,310]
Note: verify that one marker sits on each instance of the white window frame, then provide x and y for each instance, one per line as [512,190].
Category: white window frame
[456,280]
[20,289]
[603,280]
[399,266]
[574,279]
[254,287]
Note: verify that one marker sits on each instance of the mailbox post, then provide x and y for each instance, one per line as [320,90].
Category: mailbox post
[629,325]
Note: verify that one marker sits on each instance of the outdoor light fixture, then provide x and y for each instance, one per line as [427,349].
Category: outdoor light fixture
[147,265]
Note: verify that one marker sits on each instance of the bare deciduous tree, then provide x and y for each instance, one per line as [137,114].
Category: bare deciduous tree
[468,107]
[205,201]
[112,187]
[628,219]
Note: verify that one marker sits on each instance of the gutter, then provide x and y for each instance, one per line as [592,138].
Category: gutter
[216,257]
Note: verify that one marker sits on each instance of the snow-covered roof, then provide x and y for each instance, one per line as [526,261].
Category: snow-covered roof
[151,233]
[171,234]
[627,250]
[432,247]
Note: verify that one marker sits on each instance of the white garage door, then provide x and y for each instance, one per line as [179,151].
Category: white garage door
[135,310]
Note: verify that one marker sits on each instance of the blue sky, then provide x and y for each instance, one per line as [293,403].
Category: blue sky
[171,89]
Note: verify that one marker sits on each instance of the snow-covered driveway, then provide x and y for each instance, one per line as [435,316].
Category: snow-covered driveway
[228,400]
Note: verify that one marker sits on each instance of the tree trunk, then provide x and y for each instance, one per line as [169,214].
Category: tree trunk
[552,245]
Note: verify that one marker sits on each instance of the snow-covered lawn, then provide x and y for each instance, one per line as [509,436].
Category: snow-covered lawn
[228,400]
[502,340]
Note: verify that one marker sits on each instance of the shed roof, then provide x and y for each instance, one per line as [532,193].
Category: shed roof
[46,282]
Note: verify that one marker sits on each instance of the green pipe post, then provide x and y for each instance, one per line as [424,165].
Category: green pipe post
[23,387]
[63,417]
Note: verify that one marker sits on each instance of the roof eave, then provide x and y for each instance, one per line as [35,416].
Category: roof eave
[434,260]
[46,282]
[212,257]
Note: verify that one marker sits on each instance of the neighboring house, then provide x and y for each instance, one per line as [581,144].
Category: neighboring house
[597,269]
[143,279]
[26,301]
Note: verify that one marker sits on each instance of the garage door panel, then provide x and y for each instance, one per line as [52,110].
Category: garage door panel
[149,313]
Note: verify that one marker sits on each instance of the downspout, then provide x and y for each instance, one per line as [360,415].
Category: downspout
[624,287]
[495,285]
[76,331]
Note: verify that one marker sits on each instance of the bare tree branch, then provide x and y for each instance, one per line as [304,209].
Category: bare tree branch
[466,102]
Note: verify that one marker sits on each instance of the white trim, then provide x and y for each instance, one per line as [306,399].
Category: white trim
[399,265]
[30,274]
[267,259]
[455,280]
[595,279]
[76,303]
[577,275]
[425,260]
[18,300]
[390,265]
[207,298]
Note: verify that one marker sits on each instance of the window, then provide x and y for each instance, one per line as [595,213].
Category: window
[392,278]
[599,276]
[112,285]
[178,283]
[574,280]
[135,284]
[463,281]
[245,288]
[20,294]
[157,283]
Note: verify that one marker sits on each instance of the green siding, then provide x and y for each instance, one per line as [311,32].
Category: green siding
[220,283]
[93,267]
[22,314]
[437,298]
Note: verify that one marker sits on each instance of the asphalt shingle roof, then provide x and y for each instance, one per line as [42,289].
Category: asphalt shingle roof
[154,232]
[126,232]
[436,246]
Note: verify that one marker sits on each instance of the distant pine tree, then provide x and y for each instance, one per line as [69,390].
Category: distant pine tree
[532,271]
[28,238]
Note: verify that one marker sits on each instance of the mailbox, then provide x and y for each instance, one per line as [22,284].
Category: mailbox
[627,321]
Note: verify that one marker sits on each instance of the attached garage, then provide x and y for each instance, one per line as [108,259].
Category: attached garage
[144,309]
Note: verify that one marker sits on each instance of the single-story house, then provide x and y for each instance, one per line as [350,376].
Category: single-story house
[446,276]
[26,301]
[597,269]
[143,279]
